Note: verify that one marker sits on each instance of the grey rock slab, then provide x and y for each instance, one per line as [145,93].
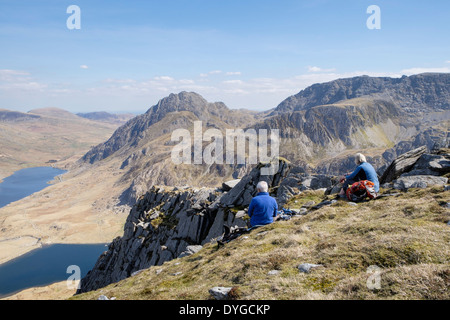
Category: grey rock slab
[190,250]
[220,293]
[228,185]
[274,272]
[407,182]
[306,267]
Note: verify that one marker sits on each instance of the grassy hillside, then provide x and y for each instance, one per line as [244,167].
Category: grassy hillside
[407,236]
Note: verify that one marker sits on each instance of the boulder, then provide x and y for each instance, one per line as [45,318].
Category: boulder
[402,164]
[306,267]
[220,293]
[190,250]
[274,272]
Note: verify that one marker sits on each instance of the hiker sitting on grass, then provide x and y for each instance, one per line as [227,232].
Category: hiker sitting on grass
[263,208]
[364,171]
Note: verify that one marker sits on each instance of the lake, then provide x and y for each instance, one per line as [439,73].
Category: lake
[26,182]
[47,265]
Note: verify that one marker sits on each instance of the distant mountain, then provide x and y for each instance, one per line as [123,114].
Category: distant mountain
[107,117]
[8,115]
[422,92]
[54,113]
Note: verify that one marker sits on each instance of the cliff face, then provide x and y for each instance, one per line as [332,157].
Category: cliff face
[165,221]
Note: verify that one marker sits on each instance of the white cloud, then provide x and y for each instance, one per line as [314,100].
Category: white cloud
[214,72]
[164,78]
[186,81]
[317,69]
[448,61]
[110,80]
[83,66]
[237,73]
[18,80]
[7,75]
[233,82]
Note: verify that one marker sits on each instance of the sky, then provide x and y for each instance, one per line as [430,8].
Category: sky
[127,55]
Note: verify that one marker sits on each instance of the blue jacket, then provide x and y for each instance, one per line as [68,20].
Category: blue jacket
[365,171]
[263,208]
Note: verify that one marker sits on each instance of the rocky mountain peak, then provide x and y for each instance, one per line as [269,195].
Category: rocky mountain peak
[134,130]
[187,101]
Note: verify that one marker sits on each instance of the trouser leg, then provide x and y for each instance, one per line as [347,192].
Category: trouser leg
[347,183]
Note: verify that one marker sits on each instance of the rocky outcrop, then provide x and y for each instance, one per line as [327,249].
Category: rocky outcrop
[160,227]
[167,223]
[245,190]
[418,169]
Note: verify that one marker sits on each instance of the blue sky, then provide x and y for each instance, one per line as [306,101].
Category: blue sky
[248,54]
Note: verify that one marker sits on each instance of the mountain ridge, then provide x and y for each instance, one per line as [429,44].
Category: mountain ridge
[389,88]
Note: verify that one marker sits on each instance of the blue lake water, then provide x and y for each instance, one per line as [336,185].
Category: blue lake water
[47,265]
[26,182]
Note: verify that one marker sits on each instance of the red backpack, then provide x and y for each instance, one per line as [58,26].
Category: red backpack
[360,190]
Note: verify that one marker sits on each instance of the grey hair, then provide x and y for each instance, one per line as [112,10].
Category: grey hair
[262,186]
[360,158]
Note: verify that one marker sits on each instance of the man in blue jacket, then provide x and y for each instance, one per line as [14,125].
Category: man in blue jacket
[364,171]
[263,208]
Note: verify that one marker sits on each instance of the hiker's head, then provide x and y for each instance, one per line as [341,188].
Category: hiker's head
[360,158]
[262,187]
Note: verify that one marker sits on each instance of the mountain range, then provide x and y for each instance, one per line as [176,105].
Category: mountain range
[321,127]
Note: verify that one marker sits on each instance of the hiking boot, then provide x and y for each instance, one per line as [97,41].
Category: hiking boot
[340,197]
